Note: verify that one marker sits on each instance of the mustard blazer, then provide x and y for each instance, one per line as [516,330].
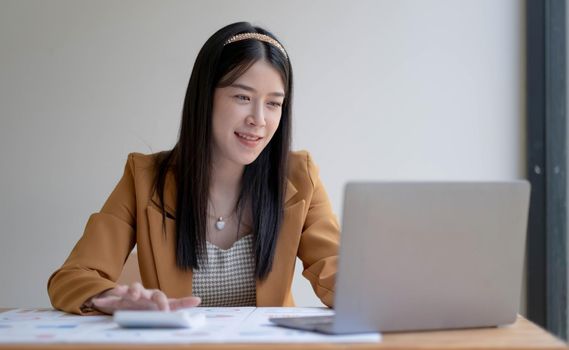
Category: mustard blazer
[131,216]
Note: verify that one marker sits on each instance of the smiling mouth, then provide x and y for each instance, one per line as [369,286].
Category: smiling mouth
[248,137]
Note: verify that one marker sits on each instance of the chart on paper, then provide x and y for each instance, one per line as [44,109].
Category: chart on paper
[227,325]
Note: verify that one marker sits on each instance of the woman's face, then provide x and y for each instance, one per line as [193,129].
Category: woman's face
[246,114]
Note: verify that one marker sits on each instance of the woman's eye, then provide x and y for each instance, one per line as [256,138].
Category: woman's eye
[242,98]
[275,104]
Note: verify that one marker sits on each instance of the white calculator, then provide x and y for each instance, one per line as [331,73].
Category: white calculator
[158,319]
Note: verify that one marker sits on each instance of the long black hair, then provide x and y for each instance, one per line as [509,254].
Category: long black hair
[264,180]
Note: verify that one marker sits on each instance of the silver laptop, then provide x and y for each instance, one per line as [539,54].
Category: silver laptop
[427,255]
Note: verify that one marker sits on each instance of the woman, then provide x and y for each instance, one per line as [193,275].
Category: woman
[224,214]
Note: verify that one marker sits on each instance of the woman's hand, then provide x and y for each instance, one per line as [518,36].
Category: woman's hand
[136,297]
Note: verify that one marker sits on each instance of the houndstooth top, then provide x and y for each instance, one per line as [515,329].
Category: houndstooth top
[228,278]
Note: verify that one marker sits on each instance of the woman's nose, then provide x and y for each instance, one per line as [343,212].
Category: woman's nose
[257,116]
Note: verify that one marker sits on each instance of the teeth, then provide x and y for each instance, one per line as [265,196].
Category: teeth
[250,138]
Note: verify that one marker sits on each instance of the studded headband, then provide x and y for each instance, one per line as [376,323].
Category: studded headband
[257,36]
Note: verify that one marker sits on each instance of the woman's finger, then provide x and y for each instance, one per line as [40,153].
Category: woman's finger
[182,303]
[111,304]
[140,304]
[160,299]
[120,290]
[134,291]
[136,297]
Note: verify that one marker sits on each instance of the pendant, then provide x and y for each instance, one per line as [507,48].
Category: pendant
[220,224]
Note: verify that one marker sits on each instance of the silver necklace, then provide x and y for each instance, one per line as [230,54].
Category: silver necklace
[219,220]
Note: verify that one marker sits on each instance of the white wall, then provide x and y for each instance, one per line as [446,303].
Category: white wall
[384,90]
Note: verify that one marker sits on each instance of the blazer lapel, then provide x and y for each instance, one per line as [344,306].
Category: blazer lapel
[289,192]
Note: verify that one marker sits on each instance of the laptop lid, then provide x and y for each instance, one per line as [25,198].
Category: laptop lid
[430,255]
